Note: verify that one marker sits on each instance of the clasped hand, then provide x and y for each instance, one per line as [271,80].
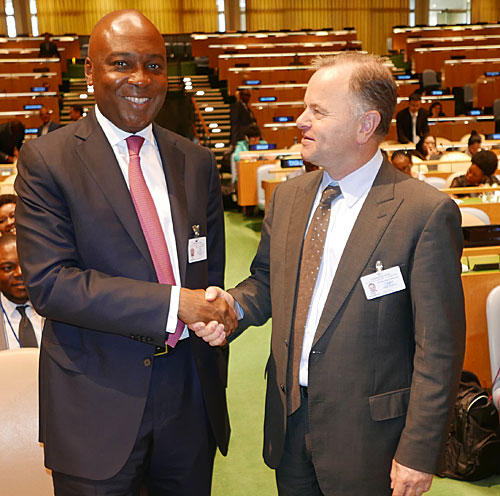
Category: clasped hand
[209,314]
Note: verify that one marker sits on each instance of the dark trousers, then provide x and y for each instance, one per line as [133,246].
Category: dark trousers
[174,451]
[295,475]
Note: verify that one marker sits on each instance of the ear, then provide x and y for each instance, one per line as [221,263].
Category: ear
[89,71]
[368,123]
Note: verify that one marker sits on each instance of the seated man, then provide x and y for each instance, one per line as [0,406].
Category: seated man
[7,214]
[481,172]
[75,112]
[48,125]
[20,325]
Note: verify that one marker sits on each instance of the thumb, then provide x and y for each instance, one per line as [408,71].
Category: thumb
[212,292]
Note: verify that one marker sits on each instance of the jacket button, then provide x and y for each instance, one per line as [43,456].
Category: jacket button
[147,362]
[283,388]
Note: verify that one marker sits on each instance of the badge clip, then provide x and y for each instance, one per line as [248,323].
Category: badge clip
[379,266]
[196,230]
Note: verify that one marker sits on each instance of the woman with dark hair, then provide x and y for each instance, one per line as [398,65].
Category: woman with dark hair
[481,172]
[426,148]
[474,144]
[7,214]
[436,110]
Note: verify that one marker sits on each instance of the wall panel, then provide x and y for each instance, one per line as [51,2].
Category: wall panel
[170,16]
[373,19]
[485,11]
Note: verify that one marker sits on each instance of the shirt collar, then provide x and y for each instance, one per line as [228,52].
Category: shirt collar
[357,184]
[10,306]
[115,135]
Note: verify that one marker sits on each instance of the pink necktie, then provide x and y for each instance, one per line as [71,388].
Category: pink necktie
[150,223]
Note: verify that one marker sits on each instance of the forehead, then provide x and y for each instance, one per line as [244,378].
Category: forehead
[327,84]
[130,34]
[401,160]
[8,251]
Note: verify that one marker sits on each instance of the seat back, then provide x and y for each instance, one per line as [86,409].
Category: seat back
[468,94]
[429,79]
[436,182]
[454,162]
[21,455]
[493,320]
[263,173]
[474,217]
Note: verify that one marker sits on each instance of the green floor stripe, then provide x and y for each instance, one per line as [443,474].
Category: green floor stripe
[242,472]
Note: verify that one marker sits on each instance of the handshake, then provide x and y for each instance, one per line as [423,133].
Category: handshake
[210,314]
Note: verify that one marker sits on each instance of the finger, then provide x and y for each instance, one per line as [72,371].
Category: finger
[217,331]
[196,326]
[207,330]
[399,488]
[212,292]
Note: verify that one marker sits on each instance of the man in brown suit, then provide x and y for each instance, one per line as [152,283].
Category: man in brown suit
[367,345]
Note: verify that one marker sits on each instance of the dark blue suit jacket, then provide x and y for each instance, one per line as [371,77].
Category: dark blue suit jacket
[89,271]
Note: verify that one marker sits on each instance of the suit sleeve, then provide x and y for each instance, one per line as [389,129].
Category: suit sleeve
[439,327]
[59,286]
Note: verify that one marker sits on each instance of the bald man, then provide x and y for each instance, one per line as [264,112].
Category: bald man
[117,218]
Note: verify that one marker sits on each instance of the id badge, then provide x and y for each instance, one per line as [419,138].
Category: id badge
[197,249]
[383,282]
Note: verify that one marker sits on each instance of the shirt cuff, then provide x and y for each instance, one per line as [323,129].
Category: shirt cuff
[175,295]
[239,311]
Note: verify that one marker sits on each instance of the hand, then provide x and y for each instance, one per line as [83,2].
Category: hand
[194,307]
[213,333]
[213,292]
[407,481]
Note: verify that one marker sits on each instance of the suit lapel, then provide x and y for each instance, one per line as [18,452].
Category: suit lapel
[299,209]
[98,157]
[173,161]
[373,219]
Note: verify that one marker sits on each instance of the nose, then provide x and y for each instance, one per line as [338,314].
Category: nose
[139,77]
[303,121]
[17,272]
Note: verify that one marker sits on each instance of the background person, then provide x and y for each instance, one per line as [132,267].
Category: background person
[11,140]
[241,117]
[480,173]
[48,48]
[426,148]
[108,210]
[20,325]
[48,125]
[8,214]
[436,110]
[473,144]
[75,112]
[411,122]
[252,137]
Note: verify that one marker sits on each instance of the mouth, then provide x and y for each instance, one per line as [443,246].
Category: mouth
[137,100]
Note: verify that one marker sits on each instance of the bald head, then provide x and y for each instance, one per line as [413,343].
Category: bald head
[127,67]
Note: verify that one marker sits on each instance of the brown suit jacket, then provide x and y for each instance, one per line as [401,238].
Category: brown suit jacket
[382,373]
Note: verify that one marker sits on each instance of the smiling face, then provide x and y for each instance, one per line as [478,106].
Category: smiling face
[328,123]
[127,67]
[7,218]
[11,279]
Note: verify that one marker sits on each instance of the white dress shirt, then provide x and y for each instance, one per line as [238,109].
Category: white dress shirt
[344,212]
[154,176]
[11,319]
[415,136]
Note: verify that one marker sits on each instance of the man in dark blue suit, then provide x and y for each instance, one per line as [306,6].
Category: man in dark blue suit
[48,125]
[127,396]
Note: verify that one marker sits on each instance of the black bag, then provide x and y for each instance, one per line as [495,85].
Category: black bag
[473,448]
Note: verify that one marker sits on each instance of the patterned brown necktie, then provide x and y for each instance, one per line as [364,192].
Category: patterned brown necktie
[312,252]
[27,337]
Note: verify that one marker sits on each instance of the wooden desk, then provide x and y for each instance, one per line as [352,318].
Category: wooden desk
[269,187]
[462,72]
[477,286]
[486,90]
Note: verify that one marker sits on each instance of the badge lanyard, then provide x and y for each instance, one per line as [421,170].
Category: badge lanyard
[10,324]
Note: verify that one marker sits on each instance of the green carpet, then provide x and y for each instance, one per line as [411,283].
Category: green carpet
[243,472]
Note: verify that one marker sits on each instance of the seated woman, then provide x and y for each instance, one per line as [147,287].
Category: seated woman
[252,137]
[481,172]
[436,110]
[426,149]
[474,144]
